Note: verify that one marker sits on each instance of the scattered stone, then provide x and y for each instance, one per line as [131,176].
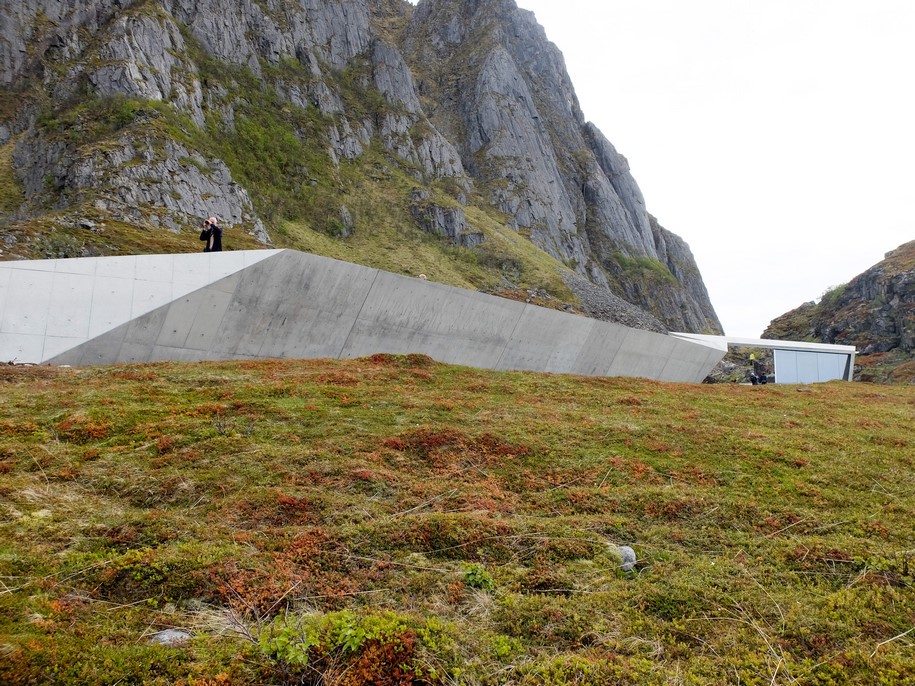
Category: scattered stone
[600,303]
[628,558]
[170,637]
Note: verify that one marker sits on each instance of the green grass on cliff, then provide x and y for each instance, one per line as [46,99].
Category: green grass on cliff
[390,520]
[386,238]
[11,195]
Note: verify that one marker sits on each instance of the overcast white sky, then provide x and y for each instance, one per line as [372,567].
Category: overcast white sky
[777,137]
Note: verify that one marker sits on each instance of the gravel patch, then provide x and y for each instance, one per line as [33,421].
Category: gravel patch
[599,303]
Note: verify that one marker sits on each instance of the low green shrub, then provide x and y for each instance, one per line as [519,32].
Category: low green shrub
[476,576]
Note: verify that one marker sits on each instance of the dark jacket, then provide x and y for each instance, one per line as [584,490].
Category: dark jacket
[213,237]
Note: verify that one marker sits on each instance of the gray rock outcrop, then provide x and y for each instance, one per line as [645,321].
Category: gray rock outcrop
[142,59]
[138,180]
[448,222]
[875,311]
[427,148]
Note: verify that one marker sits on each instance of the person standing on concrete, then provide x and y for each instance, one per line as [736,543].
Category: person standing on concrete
[212,234]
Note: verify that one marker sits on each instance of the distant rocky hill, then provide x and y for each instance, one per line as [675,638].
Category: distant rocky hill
[875,312]
[445,138]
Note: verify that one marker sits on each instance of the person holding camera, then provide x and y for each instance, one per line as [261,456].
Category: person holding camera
[212,234]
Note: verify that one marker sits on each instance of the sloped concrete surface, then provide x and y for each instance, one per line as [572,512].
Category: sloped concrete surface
[50,306]
[283,303]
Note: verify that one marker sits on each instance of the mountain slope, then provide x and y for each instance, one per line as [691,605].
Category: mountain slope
[875,312]
[444,139]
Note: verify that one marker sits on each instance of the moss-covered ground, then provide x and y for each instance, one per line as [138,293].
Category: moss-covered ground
[11,195]
[390,520]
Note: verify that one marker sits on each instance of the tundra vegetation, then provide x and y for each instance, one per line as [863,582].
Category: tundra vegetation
[390,520]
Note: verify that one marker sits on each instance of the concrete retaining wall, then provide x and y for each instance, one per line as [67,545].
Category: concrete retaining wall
[297,305]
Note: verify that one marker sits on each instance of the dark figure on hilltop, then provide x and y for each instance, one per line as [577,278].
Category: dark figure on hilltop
[212,234]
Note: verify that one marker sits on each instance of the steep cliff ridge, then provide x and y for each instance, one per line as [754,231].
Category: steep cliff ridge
[364,129]
[875,312]
[493,82]
[521,129]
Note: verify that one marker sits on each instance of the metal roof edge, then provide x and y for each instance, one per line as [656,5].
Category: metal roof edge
[717,341]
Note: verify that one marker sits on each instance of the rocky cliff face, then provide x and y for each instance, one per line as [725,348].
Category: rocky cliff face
[875,312]
[271,114]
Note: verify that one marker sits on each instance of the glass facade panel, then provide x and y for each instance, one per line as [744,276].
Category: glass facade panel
[795,366]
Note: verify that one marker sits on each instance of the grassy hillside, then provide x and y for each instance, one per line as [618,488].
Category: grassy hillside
[390,520]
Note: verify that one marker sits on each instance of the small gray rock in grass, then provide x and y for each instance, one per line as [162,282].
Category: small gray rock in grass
[628,555]
[170,637]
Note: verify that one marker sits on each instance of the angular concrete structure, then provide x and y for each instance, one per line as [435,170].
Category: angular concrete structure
[288,304]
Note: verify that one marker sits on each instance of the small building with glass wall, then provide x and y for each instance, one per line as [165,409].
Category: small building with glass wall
[795,362]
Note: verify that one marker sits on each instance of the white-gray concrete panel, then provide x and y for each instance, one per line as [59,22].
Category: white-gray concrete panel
[28,297]
[797,366]
[806,367]
[104,349]
[158,268]
[55,345]
[112,303]
[830,367]
[148,295]
[81,298]
[601,347]
[289,304]
[644,354]
[680,365]
[546,340]
[683,361]
[179,320]
[5,275]
[204,331]
[135,352]
[164,353]
[69,316]
[75,265]
[145,330]
[452,325]
[30,265]
[295,305]
[21,347]
[119,267]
